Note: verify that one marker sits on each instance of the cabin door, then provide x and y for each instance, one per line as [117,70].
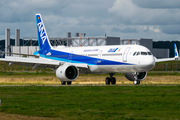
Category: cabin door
[125,54]
[99,56]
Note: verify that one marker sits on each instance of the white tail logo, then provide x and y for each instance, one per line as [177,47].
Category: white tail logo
[42,32]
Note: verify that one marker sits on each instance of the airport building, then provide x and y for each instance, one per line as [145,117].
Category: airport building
[79,40]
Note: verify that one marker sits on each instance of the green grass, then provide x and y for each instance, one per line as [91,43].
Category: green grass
[163,74]
[93,102]
[167,66]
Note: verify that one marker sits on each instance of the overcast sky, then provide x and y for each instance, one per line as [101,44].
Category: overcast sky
[156,19]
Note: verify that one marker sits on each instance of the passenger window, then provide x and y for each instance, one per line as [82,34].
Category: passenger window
[134,54]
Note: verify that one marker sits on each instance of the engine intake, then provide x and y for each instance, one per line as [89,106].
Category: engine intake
[136,76]
[67,73]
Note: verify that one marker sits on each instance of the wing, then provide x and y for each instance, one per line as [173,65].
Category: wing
[38,62]
[176,56]
[164,59]
[36,56]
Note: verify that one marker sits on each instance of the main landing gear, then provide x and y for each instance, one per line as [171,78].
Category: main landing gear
[110,79]
[64,83]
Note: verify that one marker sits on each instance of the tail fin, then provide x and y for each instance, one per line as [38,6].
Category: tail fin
[176,55]
[43,39]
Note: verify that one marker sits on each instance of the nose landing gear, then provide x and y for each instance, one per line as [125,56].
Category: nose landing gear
[110,79]
[136,82]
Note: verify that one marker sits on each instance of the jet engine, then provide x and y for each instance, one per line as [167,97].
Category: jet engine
[136,76]
[67,72]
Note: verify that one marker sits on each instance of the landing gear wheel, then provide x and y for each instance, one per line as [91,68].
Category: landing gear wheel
[136,82]
[113,80]
[107,80]
[69,83]
[110,79]
[63,82]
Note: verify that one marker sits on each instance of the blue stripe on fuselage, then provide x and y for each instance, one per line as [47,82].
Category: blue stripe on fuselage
[74,58]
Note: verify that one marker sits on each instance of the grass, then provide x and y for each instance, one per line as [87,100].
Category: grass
[15,78]
[153,99]
[92,102]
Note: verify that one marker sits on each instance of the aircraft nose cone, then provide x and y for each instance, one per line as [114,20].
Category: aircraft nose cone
[149,63]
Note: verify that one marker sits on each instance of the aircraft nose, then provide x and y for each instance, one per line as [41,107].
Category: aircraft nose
[149,63]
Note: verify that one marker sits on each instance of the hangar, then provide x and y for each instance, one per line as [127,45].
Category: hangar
[80,39]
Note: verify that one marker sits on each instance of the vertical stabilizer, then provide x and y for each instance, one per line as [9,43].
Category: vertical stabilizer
[43,39]
[176,55]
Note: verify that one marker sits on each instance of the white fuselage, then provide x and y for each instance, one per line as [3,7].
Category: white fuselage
[110,59]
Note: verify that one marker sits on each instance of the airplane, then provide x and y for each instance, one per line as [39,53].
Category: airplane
[68,62]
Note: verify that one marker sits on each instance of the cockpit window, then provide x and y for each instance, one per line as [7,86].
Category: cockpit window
[143,53]
[138,53]
[149,53]
[134,54]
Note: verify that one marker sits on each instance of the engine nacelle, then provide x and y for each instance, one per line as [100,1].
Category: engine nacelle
[136,76]
[67,72]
